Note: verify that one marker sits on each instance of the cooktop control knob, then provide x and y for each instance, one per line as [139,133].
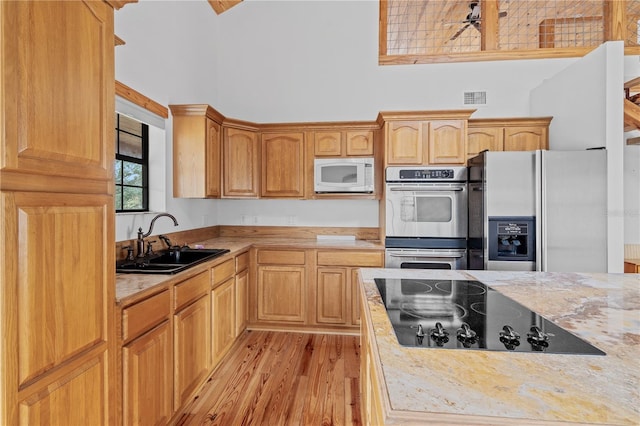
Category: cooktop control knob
[466,335]
[439,335]
[538,339]
[509,337]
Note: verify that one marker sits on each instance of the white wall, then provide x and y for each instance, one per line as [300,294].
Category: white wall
[287,61]
[169,56]
[318,61]
[585,102]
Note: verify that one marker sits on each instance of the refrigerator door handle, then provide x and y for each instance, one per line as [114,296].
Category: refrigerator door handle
[540,225]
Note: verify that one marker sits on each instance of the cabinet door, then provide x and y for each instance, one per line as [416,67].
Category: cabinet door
[212,167]
[242,311]
[447,142]
[281,294]
[147,384]
[331,296]
[58,90]
[526,138]
[406,142]
[282,165]
[241,163]
[482,138]
[355,297]
[327,144]
[359,143]
[192,348]
[223,303]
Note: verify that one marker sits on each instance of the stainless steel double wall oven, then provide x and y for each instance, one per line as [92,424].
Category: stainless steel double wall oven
[426,217]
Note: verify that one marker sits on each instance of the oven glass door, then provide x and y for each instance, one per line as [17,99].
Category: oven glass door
[433,211]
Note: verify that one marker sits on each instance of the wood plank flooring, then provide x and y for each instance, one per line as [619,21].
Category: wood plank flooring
[277,378]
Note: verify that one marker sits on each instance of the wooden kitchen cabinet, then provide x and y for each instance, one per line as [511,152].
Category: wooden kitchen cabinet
[337,300]
[406,143]
[425,137]
[241,162]
[526,138]
[223,309]
[447,142]
[197,138]
[147,361]
[282,165]
[191,336]
[59,344]
[242,292]
[484,138]
[347,143]
[281,286]
[507,134]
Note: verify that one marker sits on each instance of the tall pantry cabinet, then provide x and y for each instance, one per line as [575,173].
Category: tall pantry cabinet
[57,361]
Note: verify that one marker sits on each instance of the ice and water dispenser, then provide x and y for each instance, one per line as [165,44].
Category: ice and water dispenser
[512,239]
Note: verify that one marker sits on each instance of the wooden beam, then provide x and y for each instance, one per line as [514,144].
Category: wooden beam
[141,100]
[631,114]
[119,41]
[489,25]
[614,20]
[223,5]
[633,141]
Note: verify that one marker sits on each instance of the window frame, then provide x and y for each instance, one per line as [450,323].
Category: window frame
[614,16]
[144,161]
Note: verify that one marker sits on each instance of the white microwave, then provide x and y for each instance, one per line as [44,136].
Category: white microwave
[343,175]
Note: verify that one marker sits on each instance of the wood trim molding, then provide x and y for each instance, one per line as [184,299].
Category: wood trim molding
[141,100]
[221,6]
[119,41]
[297,232]
[118,4]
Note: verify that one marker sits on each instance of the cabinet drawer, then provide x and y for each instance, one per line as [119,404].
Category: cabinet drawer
[191,289]
[144,315]
[242,262]
[351,258]
[281,257]
[222,272]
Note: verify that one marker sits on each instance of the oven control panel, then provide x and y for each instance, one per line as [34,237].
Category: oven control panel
[425,174]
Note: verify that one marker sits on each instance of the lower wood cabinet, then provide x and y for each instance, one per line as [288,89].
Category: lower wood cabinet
[337,296]
[282,294]
[192,339]
[147,375]
[242,308]
[370,393]
[223,304]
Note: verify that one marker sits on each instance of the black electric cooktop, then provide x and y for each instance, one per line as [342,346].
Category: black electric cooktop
[469,315]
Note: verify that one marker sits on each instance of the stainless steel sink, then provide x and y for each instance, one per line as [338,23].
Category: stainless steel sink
[168,262]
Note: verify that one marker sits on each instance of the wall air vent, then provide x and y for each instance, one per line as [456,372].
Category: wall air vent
[475,98]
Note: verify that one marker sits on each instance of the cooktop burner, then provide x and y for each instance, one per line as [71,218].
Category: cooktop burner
[465,314]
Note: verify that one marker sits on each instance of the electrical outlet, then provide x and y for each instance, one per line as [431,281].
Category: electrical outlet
[292,220]
[244,219]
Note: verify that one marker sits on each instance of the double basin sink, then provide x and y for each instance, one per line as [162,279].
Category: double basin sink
[168,261]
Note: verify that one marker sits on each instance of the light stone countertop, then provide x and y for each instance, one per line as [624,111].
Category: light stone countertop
[131,287]
[445,386]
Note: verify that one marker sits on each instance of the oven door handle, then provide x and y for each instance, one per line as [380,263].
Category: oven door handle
[427,255]
[423,189]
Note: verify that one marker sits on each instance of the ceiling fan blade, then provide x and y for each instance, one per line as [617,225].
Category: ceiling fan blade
[460,31]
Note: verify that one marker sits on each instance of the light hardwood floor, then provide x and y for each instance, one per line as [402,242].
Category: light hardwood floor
[277,378]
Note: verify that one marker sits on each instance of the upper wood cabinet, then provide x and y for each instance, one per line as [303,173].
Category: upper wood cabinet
[58,88]
[425,137]
[447,142]
[348,143]
[406,142]
[196,151]
[241,163]
[508,134]
[282,165]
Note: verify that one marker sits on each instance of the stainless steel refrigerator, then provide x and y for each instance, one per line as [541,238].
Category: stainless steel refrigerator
[538,211]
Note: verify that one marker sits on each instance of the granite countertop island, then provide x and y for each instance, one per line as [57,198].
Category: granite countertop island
[465,387]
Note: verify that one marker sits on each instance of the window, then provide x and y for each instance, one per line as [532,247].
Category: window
[131,165]
[425,31]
